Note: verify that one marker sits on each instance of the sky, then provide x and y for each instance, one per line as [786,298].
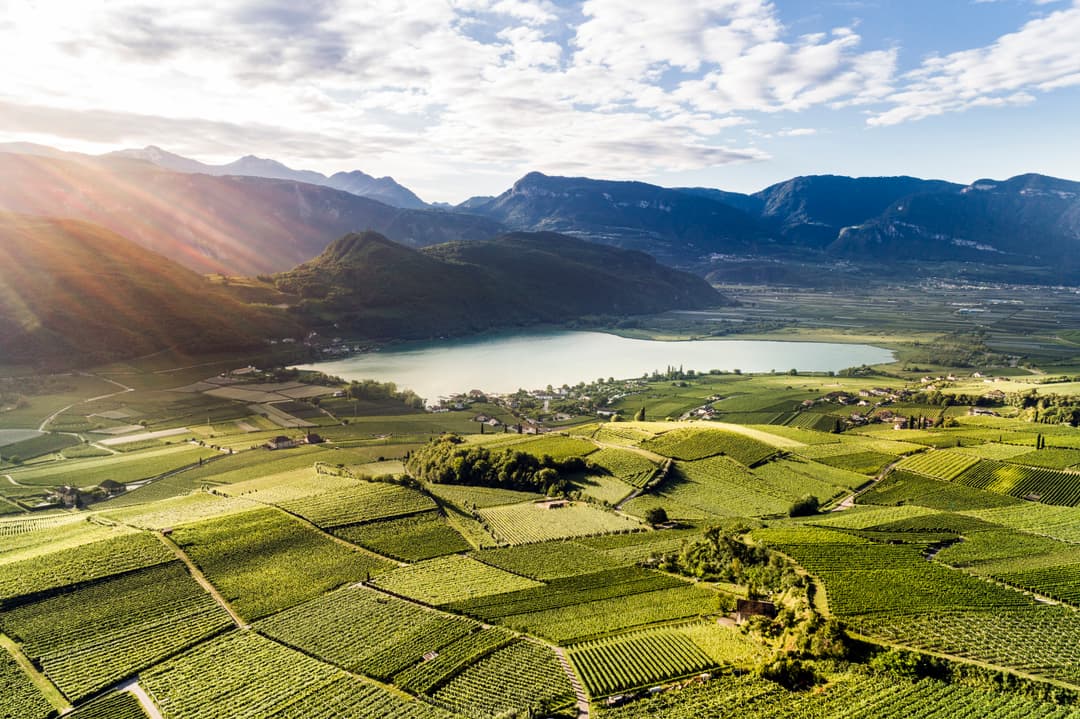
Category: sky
[455,98]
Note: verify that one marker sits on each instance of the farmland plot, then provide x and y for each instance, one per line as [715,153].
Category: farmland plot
[451,579]
[632,660]
[90,638]
[362,630]
[535,522]
[264,561]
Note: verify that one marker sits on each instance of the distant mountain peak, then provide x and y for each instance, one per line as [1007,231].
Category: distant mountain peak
[356,182]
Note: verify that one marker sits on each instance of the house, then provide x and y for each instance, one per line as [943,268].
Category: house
[746,608]
[312,438]
[281,442]
[112,487]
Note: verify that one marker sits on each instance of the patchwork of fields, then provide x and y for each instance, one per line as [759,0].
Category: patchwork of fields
[230,580]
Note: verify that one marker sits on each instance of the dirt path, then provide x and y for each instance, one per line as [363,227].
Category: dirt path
[849,501]
[575,683]
[132,685]
[12,480]
[659,478]
[123,389]
[49,690]
[201,579]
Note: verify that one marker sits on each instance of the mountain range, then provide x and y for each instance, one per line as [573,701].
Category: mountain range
[267,218]
[229,224]
[73,293]
[356,182]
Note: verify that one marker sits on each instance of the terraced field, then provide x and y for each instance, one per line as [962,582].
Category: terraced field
[637,659]
[90,638]
[264,561]
[691,443]
[538,522]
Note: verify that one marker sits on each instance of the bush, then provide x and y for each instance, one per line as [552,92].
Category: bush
[656,515]
[805,507]
[789,673]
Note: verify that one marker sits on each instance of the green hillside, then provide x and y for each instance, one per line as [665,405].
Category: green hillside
[372,287]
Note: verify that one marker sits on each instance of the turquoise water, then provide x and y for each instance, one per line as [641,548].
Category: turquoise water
[508,362]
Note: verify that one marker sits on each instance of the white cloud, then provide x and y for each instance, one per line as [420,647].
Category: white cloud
[1039,57]
[427,90]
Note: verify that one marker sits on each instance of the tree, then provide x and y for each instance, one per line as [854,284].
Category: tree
[640,415]
[805,506]
[656,515]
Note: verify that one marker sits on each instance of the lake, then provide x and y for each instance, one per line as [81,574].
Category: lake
[508,362]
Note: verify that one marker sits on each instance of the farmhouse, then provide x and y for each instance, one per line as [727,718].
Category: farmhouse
[746,608]
[112,487]
[281,442]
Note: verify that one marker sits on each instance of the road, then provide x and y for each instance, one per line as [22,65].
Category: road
[123,388]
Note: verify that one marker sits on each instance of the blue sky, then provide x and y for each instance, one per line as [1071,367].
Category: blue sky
[461,97]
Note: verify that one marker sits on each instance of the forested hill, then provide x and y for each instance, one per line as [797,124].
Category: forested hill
[73,293]
[369,286]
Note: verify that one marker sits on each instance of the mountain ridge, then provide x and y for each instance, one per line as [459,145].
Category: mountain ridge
[366,285]
[356,182]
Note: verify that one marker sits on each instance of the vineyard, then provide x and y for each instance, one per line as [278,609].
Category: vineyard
[632,660]
[581,621]
[179,510]
[25,525]
[430,674]
[243,675]
[718,486]
[365,631]
[412,538]
[360,502]
[850,696]
[263,561]
[867,463]
[690,444]
[85,563]
[88,639]
[1049,458]
[556,446]
[523,676]
[887,578]
[122,705]
[1046,485]
[282,584]
[480,497]
[901,488]
[538,522]
[940,464]
[426,581]
[1040,640]
[550,560]
[1059,522]
[19,699]
[631,467]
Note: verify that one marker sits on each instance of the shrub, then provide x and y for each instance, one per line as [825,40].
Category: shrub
[805,506]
